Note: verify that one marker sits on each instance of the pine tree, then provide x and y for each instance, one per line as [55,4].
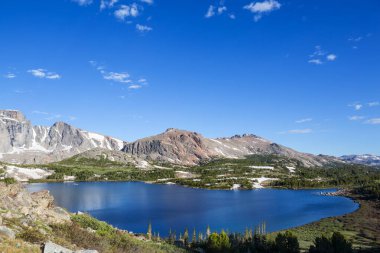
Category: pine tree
[149,233]
[208,232]
[200,237]
[194,239]
[186,237]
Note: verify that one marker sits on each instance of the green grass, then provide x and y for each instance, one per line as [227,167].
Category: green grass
[360,227]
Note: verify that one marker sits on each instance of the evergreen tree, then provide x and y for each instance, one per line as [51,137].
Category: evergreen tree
[194,239]
[186,237]
[287,243]
[208,232]
[149,232]
[337,243]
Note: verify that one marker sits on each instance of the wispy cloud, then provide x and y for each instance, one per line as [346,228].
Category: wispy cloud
[119,77]
[319,56]
[147,1]
[125,11]
[210,11]
[372,104]
[107,4]
[134,87]
[374,121]
[357,106]
[83,2]
[10,75]
[298,131]
[143,28]
[43,73]
[218,9]
[315,61]
[261,8]
[304,120]
[221,9]
[356,118]
[48,115]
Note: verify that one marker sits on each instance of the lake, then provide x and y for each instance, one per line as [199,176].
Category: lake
[132,205]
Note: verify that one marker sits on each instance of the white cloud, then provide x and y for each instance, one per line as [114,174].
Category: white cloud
[48,115]
[107,4]
[331,57]
[356,106]
[40,112]
[210,12]
[127,11]
[10,75]
[355,39]
[221,9]
[83,2]
[143,28]
[147,1]
[315,61]
[142,80]
[134,87]
[43,73]
[121,77]
[260,8]
[356,118]
[72,118]
[374,121]
[319,55]
[232,16]
[304,120]
[372,104]
[298,131]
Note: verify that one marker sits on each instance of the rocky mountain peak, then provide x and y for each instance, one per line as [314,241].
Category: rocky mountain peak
[21,142]
[12,115]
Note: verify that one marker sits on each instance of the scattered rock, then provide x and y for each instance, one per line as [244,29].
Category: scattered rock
[51,247]
[7,232]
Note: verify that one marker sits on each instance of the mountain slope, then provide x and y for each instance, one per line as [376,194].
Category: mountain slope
[21,142]
[190,148]
[370,160]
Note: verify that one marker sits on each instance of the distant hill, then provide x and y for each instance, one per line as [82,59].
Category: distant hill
[370,160]
[190,148]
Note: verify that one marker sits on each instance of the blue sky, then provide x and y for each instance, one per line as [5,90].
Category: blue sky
[305,74]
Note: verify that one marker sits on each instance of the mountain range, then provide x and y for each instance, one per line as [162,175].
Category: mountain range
[21,142]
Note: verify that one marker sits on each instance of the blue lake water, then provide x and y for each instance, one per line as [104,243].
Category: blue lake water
[132,205]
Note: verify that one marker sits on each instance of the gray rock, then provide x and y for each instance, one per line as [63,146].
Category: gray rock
[51,247]
[7,232]
[55,248]
[21,142]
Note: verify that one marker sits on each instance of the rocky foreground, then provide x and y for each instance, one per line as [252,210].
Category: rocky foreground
[30,222]
[23,213]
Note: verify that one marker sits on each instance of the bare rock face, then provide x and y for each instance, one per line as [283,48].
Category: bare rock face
[173,146]
[190,148]
[23,143]
[18,203]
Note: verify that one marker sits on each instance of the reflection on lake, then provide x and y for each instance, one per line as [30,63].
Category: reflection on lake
[131,205]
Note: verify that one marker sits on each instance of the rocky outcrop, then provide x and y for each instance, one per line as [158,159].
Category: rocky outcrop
[51,247]
[23,143]
[173,146]
[17,202]
[190,148]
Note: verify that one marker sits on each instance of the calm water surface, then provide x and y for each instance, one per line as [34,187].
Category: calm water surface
[131,205]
